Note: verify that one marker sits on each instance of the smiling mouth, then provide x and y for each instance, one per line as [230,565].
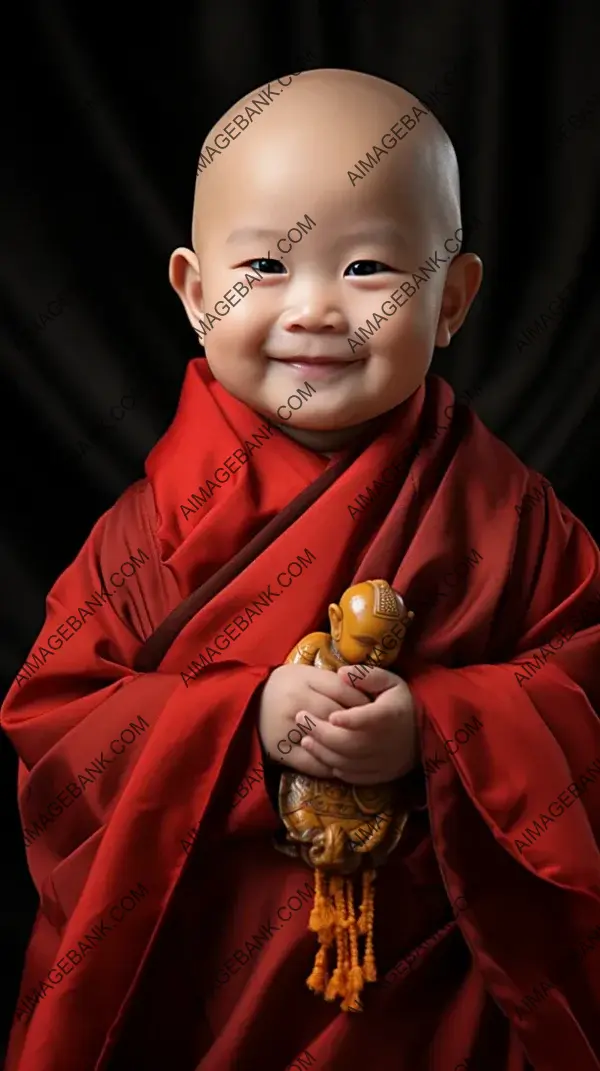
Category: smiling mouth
[313,360]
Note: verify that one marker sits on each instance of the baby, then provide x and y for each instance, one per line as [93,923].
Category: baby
[328,244]
[326,266]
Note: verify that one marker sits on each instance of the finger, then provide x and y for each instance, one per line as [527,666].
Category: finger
[328,685]
[307,764]
[343,741]
[324,754]
[350,696]
[360,718]
[334,761]
[336,688]
[320,707]
[369,679]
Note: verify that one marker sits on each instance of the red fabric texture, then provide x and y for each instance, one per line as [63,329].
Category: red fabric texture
[166,813]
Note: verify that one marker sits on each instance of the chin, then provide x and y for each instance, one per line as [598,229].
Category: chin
[324,426]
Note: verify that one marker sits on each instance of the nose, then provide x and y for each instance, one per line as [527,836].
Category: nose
[316,308]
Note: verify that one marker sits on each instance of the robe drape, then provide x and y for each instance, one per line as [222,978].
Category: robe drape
[170,932]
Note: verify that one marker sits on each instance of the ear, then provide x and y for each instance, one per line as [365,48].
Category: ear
[184,276]
[462,284]
[335,620]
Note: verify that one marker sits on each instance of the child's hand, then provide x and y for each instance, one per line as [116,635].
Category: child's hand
[368,745]
[292,688]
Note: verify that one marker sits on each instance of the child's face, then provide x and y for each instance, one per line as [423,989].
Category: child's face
[357,246]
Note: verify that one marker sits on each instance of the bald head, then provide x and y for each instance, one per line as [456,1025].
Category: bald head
[344,128]
[326,240]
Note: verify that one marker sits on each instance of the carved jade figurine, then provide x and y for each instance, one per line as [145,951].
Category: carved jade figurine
[335,827]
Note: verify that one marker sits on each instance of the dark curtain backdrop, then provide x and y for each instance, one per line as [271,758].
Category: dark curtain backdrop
[104,111]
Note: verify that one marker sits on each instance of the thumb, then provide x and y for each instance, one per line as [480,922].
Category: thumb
[370,679]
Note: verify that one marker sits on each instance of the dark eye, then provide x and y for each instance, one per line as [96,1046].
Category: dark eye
[367,267]
[266,265]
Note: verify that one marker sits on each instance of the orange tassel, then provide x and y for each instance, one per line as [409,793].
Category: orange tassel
[366,925]
[318,978]
[355,982]
[338,980]
[333,919]
[322,916]
[321,921]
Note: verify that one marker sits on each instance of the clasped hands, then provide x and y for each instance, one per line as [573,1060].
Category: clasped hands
[363,732]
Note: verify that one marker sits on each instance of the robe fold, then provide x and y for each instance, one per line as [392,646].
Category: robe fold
[170,933]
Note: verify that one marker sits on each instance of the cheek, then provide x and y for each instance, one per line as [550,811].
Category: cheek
[415,319]
[413,332]
[356,652]
[240,328]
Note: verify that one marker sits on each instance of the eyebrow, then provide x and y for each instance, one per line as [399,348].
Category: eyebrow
[382,230]
[378,231]
[249,233]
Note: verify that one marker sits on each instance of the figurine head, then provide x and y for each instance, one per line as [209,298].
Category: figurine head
[325,200]
[369,623]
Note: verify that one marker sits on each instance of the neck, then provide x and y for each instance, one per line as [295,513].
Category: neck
[336,654]
[325,442]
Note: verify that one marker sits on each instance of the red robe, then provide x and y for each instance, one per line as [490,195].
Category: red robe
[170,932]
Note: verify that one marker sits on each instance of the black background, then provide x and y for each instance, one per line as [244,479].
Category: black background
[104,114]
